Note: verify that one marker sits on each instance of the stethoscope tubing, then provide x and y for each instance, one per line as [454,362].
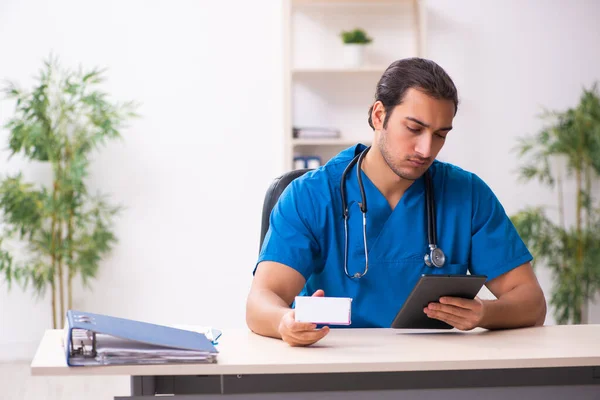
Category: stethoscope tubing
[435,254]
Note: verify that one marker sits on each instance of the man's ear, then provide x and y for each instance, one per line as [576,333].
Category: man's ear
[378,115]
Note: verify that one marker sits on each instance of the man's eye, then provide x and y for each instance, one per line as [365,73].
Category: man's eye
[441,136]
[412,129]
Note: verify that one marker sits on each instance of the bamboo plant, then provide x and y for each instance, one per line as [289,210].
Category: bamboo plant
[52,233]
[567,149]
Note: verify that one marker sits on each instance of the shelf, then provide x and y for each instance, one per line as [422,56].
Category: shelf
[329,70]
[351,2]
[320,89]
[328,142]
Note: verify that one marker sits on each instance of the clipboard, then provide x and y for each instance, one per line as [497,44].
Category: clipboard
[96,339]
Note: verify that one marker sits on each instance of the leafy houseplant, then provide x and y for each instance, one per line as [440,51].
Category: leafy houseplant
[354,45]
[571,251]
[355,36]
[54,233]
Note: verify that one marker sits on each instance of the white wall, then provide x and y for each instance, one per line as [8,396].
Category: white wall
[194,169]
[510,59]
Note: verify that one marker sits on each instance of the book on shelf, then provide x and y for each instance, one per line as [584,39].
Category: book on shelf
[315,133]
[312,162]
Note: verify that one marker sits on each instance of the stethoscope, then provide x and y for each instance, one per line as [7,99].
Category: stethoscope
[434,258]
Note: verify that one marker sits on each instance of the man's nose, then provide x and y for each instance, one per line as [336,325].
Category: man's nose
[423,146]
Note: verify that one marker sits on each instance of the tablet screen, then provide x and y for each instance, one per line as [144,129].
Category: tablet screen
[429,289]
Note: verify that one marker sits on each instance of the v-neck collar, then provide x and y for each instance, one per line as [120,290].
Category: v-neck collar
[416,189]
[381,219]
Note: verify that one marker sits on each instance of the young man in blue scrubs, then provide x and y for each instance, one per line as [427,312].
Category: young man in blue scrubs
[304,250]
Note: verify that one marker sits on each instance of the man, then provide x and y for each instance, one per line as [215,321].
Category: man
[304,251]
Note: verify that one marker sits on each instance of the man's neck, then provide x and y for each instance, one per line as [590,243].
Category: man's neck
[389,184]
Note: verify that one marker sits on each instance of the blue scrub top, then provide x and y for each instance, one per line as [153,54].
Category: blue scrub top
[307,233]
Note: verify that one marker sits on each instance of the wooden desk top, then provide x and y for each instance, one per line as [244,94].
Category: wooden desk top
[364,350]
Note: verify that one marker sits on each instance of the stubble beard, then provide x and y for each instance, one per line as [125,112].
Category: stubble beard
[387,157]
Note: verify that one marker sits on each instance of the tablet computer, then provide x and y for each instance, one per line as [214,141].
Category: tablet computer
[430,288]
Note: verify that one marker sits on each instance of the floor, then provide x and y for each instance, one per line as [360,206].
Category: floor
[18,384]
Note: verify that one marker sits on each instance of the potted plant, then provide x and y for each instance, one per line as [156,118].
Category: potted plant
[355,42]
[53,233]
[566,152]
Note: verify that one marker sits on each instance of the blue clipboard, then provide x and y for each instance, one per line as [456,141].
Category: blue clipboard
[96,339]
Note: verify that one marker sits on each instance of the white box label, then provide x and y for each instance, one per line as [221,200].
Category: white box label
[323,310]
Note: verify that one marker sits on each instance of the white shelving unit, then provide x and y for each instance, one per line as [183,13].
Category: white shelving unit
[337,70]
[319,90]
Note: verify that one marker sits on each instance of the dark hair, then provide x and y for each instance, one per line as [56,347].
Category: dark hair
[401,75]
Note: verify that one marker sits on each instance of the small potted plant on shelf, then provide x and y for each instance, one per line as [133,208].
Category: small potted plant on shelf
[355,42]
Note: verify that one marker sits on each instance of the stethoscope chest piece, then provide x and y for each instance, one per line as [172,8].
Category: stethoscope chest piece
[435,258]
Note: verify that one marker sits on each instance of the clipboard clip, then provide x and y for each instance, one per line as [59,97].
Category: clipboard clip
[81,346]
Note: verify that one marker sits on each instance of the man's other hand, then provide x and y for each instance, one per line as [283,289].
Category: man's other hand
[301,333]
[463,314]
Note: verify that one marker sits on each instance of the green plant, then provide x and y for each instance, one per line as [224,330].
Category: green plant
[54,232]
[356,36]
[568,148]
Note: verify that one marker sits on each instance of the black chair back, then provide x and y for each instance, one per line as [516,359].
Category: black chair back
[273,193]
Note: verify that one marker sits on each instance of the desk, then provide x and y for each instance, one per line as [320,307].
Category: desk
[547,362]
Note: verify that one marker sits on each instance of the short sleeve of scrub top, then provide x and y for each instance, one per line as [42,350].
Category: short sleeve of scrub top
[496,246]
[289,240]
